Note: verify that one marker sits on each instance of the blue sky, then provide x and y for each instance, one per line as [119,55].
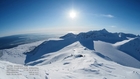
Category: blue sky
[52,16]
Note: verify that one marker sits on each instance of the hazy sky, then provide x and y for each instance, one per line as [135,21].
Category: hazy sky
[52,16]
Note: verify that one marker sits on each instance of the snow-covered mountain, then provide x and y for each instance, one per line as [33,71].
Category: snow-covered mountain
[132,47]
[94,54]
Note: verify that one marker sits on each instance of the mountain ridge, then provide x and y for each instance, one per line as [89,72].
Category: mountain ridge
[89,43]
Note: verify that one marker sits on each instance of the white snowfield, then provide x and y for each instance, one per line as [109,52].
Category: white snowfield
[16,54]
[73,58]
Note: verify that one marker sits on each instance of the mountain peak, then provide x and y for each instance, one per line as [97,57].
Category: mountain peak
[68,35]
[103,30]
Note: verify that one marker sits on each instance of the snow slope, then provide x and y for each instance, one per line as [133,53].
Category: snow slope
[116,55]
[132,47]
[75,62]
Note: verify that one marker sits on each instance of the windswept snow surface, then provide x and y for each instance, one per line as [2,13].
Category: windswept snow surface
[75,62]
[91,55]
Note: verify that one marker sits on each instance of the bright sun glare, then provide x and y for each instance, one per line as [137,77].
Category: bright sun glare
[72,14]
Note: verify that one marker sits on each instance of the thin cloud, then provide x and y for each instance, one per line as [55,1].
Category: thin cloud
[109,15]
[103,15]
[113,26]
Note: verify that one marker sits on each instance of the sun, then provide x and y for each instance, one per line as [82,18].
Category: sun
[72,14]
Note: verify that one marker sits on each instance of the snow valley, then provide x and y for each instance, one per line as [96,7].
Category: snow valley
[87,55]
